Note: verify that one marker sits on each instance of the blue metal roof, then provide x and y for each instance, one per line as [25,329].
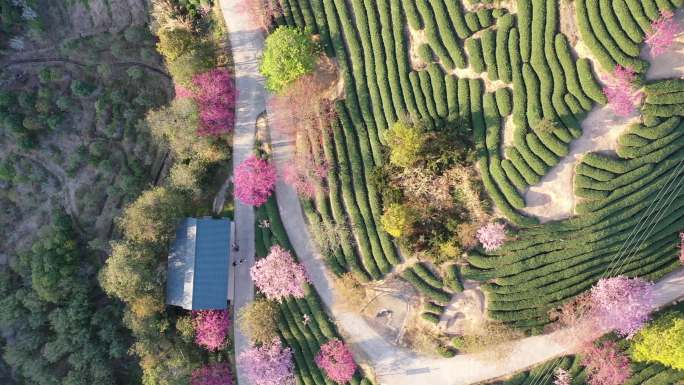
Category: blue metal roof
[198,265]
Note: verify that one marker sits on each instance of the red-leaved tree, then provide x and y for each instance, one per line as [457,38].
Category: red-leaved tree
[337,361]
[213,374]
[268,364]
[492,236]
[211,328]
[262,13]
[255,180]
[605,364]
[279,275]
[620,92]
[662,34]
[215,95]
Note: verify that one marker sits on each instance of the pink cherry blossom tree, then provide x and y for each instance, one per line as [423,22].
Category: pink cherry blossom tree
[211,328]
[622,304]
[279,275]
[215,95]
[492,236]
[605,364]
[268,364]
[562,377]
[255,180]
[214,374]
[337,361]
[620,92]
[662,34]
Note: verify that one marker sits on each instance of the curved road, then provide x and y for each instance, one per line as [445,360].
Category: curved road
[393,365]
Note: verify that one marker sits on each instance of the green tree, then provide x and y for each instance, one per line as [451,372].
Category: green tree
[259,320]
[396,220]
[406,142]
[289,54]
[174,42]
[54,260]
[662,341]
[153,217]
[82,89]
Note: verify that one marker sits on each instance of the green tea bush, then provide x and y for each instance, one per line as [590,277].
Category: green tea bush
[488,39]
[588,82]
[503,101]
[427,275]
[503,29]
[475,55]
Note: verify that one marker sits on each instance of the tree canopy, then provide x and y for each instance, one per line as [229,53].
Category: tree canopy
[289,54]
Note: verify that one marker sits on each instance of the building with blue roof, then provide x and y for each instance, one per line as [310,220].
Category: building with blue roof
[197,274]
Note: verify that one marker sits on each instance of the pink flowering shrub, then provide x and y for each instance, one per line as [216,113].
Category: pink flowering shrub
[622,304]
[663,33]
[336,361]
[279,275]
[562,377]
[215,96]
[269,364]
[211,328]
[620,92]
[214,374]
[605,364]
[255,180]
[492,236]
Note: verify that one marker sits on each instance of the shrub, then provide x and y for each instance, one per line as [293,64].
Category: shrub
[200,58]
[452,278]
[475,56]
[437,295]
[254,181]
[279,275]
[337,361]
[503,101]
[396,220]
[430,317]
[489,53]
[588,82]
[503,28]
[472,21]
[268,364]
[289,54]
[258,320]
[427,275]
